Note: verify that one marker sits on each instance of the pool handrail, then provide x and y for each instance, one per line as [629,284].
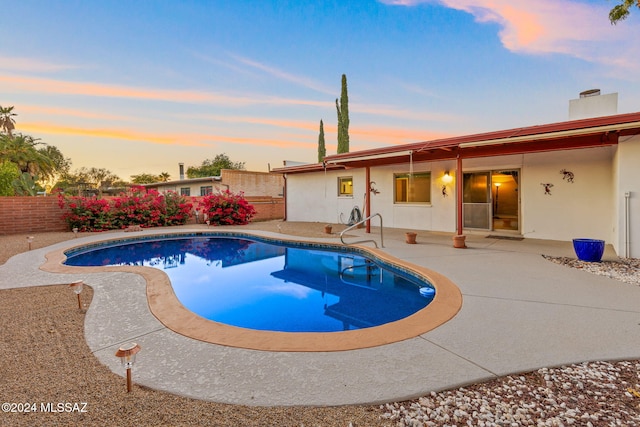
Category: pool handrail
[364,241]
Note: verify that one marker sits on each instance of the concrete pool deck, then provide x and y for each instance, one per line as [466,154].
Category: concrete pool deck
[519,313]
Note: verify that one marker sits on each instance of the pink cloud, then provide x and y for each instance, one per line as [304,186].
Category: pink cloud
[69,112]
[52,86]
[161,138]
[20,64]
[566,27]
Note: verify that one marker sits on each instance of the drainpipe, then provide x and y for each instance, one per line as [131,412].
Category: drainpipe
[367,198]
[627,232]
[458,239]
[284,175]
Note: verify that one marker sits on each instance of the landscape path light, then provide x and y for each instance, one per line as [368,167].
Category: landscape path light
[77,288]
[75,231]
[127,355]
[29,241]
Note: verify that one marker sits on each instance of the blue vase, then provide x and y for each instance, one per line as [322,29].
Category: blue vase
[589,250]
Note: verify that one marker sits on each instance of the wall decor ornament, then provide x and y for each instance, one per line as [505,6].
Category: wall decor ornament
[444,191]
[373,189]
[547,188]
[567,175]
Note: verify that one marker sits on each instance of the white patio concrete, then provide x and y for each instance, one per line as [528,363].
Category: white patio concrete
[520,312]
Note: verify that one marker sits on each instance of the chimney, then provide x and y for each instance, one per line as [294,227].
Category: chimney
[592,103]
[181,165]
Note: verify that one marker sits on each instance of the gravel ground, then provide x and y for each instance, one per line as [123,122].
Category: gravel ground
[52,365]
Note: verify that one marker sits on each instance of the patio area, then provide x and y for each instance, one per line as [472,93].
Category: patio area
[520,312]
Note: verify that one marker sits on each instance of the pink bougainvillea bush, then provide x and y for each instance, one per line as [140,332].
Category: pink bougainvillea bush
[135,207]
[226,208]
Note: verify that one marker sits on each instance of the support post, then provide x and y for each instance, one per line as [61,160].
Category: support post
[459,238]
[367,198]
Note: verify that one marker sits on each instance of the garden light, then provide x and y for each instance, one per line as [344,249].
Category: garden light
[76,287]
[127,355]
[29,241]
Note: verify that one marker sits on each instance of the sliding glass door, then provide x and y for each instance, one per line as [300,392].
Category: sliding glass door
[491,200]
[476,200]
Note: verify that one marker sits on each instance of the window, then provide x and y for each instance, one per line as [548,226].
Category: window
[185,191]
[345,186]
[206,190]
[415,188]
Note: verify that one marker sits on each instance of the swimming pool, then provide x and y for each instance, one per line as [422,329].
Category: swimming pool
[163,305]
[272,286]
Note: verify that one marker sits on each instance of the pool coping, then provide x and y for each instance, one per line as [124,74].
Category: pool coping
[166,307]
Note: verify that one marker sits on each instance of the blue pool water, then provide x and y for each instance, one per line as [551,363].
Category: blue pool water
[259,285]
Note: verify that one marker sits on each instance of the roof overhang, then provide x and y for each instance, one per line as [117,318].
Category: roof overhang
[586,133]
[569,135]
[312,167]
[600,130]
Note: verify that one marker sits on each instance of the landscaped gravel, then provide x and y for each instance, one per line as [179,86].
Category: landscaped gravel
[589,394]
[44,359]
[625,270]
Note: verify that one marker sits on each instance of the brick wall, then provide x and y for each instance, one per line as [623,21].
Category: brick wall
[267,208]
[252,183]
[20,215]
[30,214]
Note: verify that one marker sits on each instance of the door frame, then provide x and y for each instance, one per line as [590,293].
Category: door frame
[486,207]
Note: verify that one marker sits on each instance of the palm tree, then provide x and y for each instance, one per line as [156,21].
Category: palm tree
[164,177]
[22,151]
[7,122]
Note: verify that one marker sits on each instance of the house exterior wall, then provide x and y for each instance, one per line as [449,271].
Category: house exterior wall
[439,215]
[314,196]
[194,188]
[627,180]
[584,208]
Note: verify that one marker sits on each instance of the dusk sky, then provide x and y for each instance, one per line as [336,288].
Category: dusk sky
[141,86]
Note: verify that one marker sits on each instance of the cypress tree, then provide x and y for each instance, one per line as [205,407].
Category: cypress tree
[343,118]
[322,150]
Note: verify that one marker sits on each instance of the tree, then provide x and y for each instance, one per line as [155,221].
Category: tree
[26,185]
[22,150]
[8,174]
[144,178]
[88,180]
[149,178]
[28,154]
[343,118]
[322,149]
[621,11]
[213,167]
[100,178]
[7,122]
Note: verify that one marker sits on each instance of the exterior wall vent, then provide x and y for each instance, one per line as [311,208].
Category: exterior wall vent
[590,92]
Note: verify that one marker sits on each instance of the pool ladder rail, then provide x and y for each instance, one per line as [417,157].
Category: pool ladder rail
[364,241]
[372,270]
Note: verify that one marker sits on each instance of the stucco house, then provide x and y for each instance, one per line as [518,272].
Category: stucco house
[559,181]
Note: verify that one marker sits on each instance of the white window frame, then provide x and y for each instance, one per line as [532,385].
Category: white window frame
[340,186]
[406,177]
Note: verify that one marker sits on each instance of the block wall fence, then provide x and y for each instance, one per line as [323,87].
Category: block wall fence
[22,215]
